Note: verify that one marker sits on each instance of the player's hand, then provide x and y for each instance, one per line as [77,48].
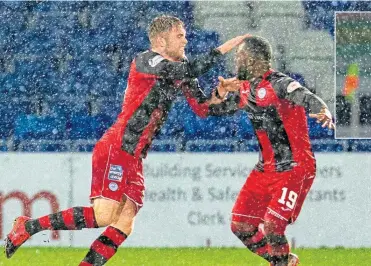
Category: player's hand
[231,84]
[232,43]
[324,117]
[214,99]
[224,86]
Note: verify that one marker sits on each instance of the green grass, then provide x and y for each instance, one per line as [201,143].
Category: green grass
[185,256]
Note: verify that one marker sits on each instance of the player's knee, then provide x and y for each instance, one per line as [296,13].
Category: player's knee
[125,224]
[243,231]
[104,219]
[127,228]
[125,221]
[106,212]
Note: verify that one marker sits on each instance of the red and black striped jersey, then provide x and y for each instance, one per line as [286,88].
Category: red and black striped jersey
[276,105]
[153,84]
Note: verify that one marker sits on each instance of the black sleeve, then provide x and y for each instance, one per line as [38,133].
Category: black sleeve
[153,63]
[192,88]
[227,107]
[303,97]
[196,97]
[290,89]
[198,101]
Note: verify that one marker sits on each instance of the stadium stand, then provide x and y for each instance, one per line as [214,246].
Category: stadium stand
[63,70]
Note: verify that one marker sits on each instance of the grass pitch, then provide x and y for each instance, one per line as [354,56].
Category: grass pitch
[185,256]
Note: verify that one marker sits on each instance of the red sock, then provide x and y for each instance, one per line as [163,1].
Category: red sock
[278,247]
[75,218]
[254,240]
[104,247]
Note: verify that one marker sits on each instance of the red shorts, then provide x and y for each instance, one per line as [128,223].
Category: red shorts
[280,194]
[115,174]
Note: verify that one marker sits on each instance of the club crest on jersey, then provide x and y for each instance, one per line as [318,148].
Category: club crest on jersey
[155,60]
[262,92]
[115,173]
[113,186]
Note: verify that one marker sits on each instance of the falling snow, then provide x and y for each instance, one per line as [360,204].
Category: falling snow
[64,68]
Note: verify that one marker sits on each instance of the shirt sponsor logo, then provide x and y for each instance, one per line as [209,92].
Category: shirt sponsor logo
[155,60]
[262,92]
[293,86]
[115,173]
[270,211]
[113,186]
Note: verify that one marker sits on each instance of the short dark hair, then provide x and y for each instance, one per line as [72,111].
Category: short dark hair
[161,24]
[259,48]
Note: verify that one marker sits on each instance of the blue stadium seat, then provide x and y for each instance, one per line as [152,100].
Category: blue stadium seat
[69,107]
[34,146]
[202,41]
[38,44]
[104,122]
[167,145]
[327,145]
[84,147]
[316,131]
[3,145]
[138,41]
[43,7]
[320,14]
[360,145]
[245,128]
[174,126]
[8,113]
[56,32]
[249,145]
[12,85]
[209,80]
[14,20]
[211,128]
[28,127]
[83,127]
[180,9]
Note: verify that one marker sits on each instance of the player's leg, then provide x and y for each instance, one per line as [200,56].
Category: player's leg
[103,213]
[106,245]
[287,199]
[278,247]
[76,218]
[125,172]
[248,213]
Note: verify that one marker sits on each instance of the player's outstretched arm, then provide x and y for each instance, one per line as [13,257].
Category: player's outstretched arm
[314,104]
[217,104]
[317,108]
[156,64]
[225,99]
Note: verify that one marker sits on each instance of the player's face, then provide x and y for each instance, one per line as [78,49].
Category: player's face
[176,42]
[244,63]
[240,57]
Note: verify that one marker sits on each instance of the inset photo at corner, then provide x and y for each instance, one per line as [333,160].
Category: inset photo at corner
[353,75]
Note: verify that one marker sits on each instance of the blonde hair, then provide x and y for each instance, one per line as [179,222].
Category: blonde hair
[162,24]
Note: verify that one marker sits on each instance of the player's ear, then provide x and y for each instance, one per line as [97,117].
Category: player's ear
[161,40]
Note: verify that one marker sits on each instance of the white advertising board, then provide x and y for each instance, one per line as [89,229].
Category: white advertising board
[189,197]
